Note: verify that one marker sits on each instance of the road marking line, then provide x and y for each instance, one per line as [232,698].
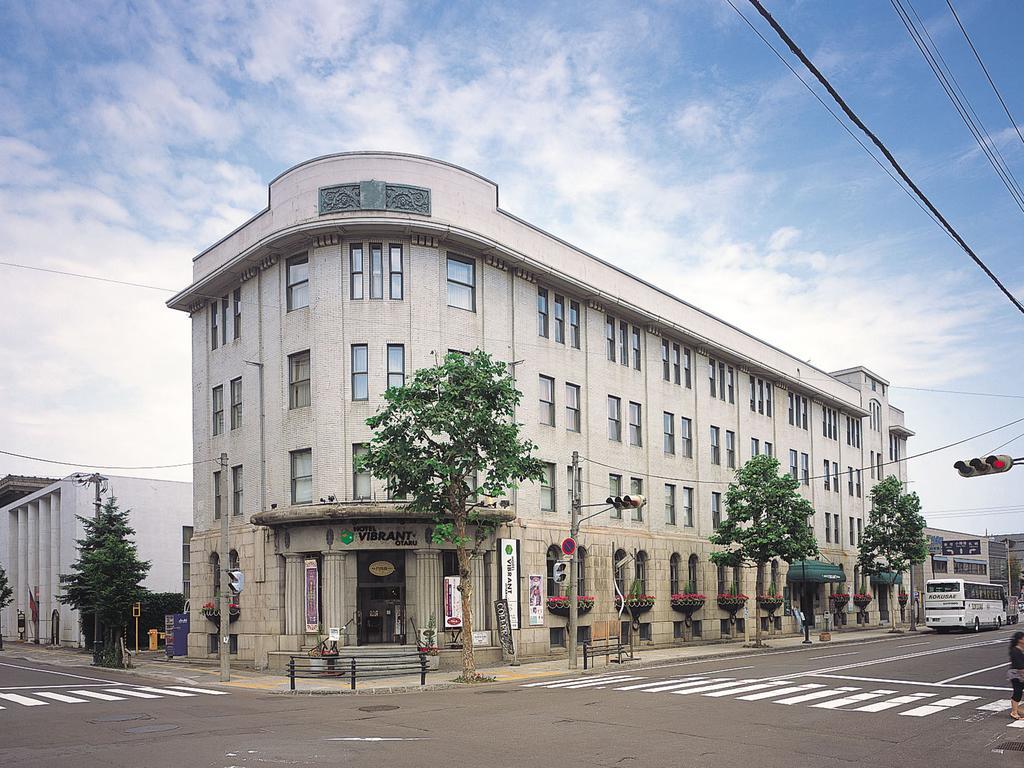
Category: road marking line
[65,674]
[968,674]
[98,695]
[1016,724]
[163,691]
[780,692]
[599,681]
[815,695]
[730,669]
[24,700]
[380,738]
[996,706]
[67,685]
[881,706]
[746,688]
[938,706]
[674,686]
[60,697]
[136,694]
[837,703]
[910,645]
[713,687]
[549,682]
[833,656]
[199,690]
[595,683]
[638,686]
[908,682]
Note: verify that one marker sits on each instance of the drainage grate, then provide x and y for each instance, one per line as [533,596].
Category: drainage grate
[378,708]
[1011,746]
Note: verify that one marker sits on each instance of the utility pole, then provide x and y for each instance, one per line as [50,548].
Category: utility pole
[912,601]
[225,579]
[574,529]
[98,482]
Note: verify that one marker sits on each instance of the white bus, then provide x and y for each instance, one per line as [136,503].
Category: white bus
[958,604]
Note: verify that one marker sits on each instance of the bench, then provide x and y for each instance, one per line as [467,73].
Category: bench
[605,641]
[359,665]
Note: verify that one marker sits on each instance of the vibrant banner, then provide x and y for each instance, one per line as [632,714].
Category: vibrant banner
[452,603]
[536,600]
[508,577]
[312,596]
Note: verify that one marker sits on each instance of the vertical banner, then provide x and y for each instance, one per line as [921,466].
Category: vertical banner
[536,600]
[452,603]
[504,627]
[508,577]
[312,596]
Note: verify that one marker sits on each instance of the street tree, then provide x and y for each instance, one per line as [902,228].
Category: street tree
[766,518]
[6,597]
[445,439]
[893,538]
[106,578]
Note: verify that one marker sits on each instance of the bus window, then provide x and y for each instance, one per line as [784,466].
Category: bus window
[950,586]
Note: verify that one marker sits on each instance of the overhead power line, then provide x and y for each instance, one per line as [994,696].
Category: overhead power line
[946,226]
[102,466]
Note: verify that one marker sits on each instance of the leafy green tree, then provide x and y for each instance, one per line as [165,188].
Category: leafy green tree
[894,537]
[766,518]
[6,596]
[106,578]
[435,438]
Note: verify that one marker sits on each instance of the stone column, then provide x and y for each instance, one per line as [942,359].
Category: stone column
[55,563]
[334,589]
[46,587]
[21,592]
[428,589]
[294,610]
[478,575]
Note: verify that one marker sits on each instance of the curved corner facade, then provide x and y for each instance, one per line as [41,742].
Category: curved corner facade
[366,267]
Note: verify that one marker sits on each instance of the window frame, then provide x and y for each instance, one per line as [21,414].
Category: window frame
[393,374]
[360,376]
[376,271]
[547,407]
[399,273]
[237,490]
[558,316]
[668,426]
[294,456]
[574,324]
[294,289]
[297,385]
[615,418]
[236,323]
[217,409]
[460,284]
[636,435]
[543,313]
[573,408]
[356,277]
[235,386]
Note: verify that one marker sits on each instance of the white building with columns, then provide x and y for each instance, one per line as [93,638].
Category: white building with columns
[38,535]
[365,267]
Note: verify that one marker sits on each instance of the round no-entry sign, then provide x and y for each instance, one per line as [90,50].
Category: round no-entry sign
[568,545]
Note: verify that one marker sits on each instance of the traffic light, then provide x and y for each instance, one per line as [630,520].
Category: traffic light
[236,580]
[990,465]
[621,502]
[560,572]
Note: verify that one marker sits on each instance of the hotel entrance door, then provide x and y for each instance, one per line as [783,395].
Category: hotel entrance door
[380,610]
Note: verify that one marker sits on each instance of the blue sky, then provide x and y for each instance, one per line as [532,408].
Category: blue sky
[664,137]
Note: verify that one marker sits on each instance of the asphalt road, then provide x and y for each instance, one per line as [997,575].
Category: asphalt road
[913,700]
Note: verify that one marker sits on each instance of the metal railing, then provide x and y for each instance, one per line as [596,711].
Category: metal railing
[358,666]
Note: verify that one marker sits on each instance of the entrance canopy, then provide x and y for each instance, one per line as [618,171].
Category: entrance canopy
[887,577]
[815,572]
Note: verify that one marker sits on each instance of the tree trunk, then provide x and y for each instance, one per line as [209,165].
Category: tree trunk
[757,609]
[466,588]
[892,608]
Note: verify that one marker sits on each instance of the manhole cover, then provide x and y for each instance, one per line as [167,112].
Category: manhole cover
[379,708]
[1012,746]
[120,718]
[152,728]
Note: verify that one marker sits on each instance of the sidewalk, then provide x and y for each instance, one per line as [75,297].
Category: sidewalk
[205,673]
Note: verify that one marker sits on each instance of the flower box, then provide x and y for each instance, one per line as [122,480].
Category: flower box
[636,603]
[212,612]
[863,601]
[839,600]
[770,603]
[732,602]
[903,598]
[559,605]
[688,602]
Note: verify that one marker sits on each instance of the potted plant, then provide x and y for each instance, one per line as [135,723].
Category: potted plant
[428,642]
[732,601]
[559,604]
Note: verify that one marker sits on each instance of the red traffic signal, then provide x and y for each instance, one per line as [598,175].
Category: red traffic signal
[990,465]
[619,502]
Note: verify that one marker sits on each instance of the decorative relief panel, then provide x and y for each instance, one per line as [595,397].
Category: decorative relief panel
[374,196]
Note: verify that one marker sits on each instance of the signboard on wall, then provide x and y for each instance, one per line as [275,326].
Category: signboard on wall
[452,603]
[312,595]
[934,545]
[962,547]
[508,577]
[536,600]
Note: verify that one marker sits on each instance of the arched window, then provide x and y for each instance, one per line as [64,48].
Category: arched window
[675,565]
[875,408]
[856,579]
[619,573]
[775,578]
[693,574]
[722,586]
[554,555]
[215,566]
[640,571]
[581,571]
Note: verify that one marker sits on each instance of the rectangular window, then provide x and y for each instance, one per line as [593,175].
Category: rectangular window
[236,403]
[614,491]
[461,283]
[721,382]
[857,473]
[828,528]
[676,364]
[217,503]
[396,275]
[547,401]
[688,507]
[218,409]
[792,408]
[572,407]
[716,450]
[636,348]
[224,320]
[666,366]
[686,368]
[609,335]
[547,489]
[559,319]
[853,535]
[360,372]
[860,530]
[236,490]
[849,480]
[355,271]
[730,449]
[753,394]
[793,469]
[302,476]
[872,465]
[716,509]
[768,398]
[214,332]
[186,560]
[669,427]
[827,477]
[636,488]
[686,438]
[635,432]
[624,343]
[574,324]
[396,365]
[835,477]
[297,278]
[769,450]
[670,504]
[731,385]
[360,477]
[803,412]
[805,469]
[376,271]
[542,312]
[614,419]
[236,326]
[712,387]
[755,447]
[837,527]
[574,485]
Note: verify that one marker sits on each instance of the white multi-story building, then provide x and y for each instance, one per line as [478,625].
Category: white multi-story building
[367,266]
[38,542]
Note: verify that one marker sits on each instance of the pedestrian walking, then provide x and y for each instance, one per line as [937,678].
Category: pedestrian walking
[1015,672]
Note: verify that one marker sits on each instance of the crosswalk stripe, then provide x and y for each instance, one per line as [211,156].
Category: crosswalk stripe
[98,695]
[596,683]
[675,686]
[836,703]
[713,687]
[881,706]
[59,697]
[815,695]
[996,706]
[649,684]
[17,698]
[549,682]
[592,681]
[746,688]
[163,691]
[136,694]
[780,692]
[938,706]
[199,690]
[1016,724]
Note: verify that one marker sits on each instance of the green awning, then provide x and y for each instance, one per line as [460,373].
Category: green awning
[815,572]
[887,577]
